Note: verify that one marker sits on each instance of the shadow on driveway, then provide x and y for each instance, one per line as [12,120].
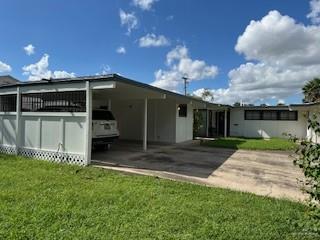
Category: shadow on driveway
[186,159]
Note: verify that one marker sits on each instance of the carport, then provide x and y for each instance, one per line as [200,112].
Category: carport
[52,118]
[147,114]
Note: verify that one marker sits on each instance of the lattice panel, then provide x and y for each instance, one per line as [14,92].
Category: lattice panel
[52,156]
[7,149]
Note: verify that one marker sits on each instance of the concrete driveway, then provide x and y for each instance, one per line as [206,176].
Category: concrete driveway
[260,172]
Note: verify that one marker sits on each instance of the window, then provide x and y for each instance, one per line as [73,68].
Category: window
[276,115]
[269,115]
[183,109]
[252,115]
[8,103]
[289,115]
[54,102]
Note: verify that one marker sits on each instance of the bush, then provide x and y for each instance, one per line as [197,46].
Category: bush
[309,161]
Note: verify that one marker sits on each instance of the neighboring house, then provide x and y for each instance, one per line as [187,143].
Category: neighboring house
[31,126]
[259,121]
[7,80]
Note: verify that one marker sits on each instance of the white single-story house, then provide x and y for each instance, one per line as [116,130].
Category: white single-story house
[144,113]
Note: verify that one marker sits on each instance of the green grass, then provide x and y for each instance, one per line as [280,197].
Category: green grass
[251,143]
[41,200]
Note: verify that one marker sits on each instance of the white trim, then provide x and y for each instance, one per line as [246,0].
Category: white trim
[53,114]
[102,85]
[8,113]
[54,87]
[8,92]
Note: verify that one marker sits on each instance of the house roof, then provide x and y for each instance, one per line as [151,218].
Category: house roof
[111,77]
[8,80]
[264,107]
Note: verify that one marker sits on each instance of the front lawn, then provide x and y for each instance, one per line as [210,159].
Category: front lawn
[251,143]
[41,200]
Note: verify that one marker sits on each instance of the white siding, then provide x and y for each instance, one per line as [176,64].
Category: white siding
[8,130]
[53,133]
[266,129]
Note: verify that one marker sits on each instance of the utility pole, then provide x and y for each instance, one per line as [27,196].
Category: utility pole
[185,79]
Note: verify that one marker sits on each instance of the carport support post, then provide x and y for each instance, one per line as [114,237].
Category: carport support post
[18,114]
[145,124]
[88,131]
[225,122]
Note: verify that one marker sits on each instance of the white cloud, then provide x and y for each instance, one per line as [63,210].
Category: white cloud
[29,49]
[106,69]
[129,20]
[121,50]
[4,67]
[314,15]
[151,40]
[40,70]
[284,56]
[279,40]
[180,64]
[144,4]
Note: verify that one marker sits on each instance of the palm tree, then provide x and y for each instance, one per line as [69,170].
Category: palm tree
[311,91]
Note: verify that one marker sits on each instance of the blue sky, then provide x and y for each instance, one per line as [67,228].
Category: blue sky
[82,37]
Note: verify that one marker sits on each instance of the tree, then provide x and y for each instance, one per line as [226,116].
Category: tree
[237,104]
[311,91]
[207,95]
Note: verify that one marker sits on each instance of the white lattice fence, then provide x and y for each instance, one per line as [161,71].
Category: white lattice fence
[7,149]
[58,157]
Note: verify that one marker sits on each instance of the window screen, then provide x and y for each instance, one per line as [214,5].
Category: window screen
[269,115]
[285,115]
[252,115]
[54,102]
[183,109]
[289,115]
[8,103]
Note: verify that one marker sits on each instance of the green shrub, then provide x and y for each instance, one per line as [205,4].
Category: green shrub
[309,161]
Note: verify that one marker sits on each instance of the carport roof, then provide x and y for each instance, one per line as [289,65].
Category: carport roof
[116,78]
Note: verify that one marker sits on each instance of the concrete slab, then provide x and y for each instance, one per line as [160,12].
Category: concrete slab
[259,172]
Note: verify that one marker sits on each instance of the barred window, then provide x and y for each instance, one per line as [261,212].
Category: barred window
[282,115]
[74,101]
[270,115]
[252,115]
[182,109]
[288,115]
[8,103]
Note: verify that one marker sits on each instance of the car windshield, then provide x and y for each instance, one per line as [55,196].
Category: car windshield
[102,115]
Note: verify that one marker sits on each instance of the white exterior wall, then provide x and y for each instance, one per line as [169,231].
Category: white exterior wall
[184,125]
[164,123]
[161,119]
[265,128]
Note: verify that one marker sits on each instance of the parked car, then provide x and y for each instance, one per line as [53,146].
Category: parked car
[104,128]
